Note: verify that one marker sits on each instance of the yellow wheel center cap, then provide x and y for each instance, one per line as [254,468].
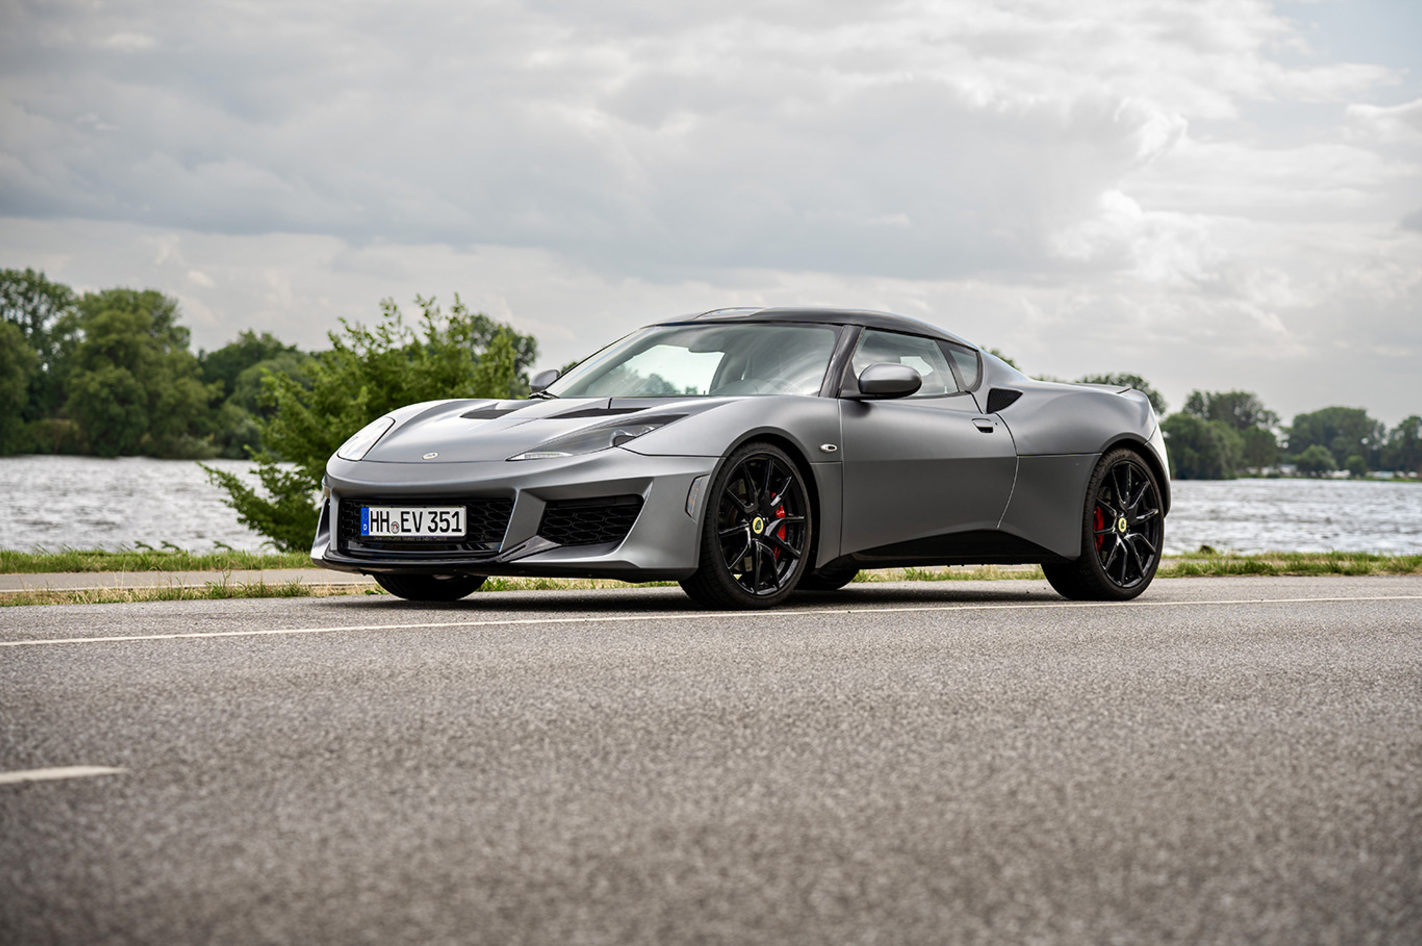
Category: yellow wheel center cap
[758,524]
[1121,524]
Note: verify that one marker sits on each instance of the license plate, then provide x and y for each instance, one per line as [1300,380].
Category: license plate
[412,522]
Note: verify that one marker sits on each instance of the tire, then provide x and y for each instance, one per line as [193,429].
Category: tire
[430,587]
[757,532]
[1123,533]
[828,579]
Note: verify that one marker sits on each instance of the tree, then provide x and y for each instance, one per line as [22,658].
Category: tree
[1261,448]
[227,363]
[18,362]
[134,385]
[1242,410]
[1356,466]
[1316,461]
[1343,431]
[1201,449]
[1157,400]
[368,372]
[1403,451]
[44,313]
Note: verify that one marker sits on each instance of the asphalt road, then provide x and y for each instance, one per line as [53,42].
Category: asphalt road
[1225,761]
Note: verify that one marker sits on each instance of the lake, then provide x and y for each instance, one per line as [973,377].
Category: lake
[85,502]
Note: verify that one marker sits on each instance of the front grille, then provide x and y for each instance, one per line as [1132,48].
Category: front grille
[590,521]
[485,521]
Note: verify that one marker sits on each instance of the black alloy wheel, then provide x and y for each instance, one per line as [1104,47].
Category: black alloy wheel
[1122,535]
[430,587]
[756,533]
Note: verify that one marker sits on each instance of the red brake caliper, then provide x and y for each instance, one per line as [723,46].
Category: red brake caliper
[1100,519]
[780,514]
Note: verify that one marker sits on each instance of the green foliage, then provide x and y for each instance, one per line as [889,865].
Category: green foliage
[1404,446]
[18,363]
[1356,466]
[134,386]
[227,363]
[1202,449]
[369,371]
[1157,400]
[1261,448]
[1315,461]
[1242,410]
[43,311]
[1342,431]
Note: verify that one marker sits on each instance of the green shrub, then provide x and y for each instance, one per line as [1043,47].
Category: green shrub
[368,372]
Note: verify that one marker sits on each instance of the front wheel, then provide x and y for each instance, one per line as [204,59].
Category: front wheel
[756,534]
[1123,532]
[430,587]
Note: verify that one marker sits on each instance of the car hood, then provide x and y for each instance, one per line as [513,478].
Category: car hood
[464,431]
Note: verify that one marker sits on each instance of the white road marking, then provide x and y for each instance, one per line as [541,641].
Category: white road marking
[695,615]
[49,775]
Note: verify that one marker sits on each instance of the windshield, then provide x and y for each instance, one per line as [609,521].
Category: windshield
[714,360]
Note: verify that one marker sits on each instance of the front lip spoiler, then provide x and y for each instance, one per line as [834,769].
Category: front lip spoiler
[533,546]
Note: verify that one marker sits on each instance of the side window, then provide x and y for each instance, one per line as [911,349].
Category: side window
[921,354]
[967,363]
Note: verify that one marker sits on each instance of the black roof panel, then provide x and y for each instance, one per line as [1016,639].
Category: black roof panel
[824,316]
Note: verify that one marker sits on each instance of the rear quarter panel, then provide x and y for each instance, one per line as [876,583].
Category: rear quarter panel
[1060,432]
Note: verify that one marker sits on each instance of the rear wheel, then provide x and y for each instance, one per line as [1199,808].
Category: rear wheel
[756,534]
[1123,532]
[430,587]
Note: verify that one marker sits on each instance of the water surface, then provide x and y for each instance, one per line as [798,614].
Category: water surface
[85,502]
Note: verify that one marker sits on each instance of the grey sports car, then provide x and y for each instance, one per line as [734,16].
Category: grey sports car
[748,453]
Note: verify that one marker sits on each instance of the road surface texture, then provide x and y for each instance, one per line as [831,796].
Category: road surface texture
[1224,761]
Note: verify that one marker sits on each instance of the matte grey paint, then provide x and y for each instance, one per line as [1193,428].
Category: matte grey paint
[915,479]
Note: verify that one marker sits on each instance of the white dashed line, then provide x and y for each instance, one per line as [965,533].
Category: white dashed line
[50,775]
[706,615]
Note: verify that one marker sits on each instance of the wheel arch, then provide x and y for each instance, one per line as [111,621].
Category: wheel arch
[797,455]
[1147,455]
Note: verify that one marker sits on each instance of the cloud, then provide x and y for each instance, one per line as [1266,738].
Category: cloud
[1102,185]
[727,134]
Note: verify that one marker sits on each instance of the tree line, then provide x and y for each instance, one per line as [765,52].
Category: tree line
[1219,435]
[111,373]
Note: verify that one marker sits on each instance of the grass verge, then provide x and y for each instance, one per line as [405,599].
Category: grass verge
[1197,564]
[145,559]
[210,591]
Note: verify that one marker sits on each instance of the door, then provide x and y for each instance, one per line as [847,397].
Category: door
[923,471]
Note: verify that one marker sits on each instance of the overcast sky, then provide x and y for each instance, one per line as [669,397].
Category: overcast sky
[1210,194]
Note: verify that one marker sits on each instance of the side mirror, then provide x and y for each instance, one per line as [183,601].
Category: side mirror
[543,379]
[888,381]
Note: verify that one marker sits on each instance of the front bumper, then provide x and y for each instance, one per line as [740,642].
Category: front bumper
[662,544]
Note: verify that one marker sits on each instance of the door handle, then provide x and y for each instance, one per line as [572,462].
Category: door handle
[985,424]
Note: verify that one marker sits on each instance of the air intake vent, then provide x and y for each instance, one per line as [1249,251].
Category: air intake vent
[1000,399]
[590,521]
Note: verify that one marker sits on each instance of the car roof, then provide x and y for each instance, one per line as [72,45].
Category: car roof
[822,315]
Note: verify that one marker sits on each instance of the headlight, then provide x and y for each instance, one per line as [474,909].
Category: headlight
[601,437]
[359,445]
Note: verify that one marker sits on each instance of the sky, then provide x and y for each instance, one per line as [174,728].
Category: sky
[1213,195]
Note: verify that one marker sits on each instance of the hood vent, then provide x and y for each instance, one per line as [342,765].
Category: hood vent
[597,412]
[489,413]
